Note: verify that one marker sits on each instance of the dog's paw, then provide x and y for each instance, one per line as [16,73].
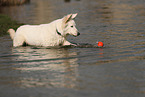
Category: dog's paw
[66,43]
[73,44]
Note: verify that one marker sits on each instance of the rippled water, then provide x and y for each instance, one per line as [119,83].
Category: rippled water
[116,70]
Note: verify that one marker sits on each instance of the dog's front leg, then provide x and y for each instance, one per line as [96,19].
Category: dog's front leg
[68,43]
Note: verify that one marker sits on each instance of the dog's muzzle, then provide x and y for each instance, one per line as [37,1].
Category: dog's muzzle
[77,34]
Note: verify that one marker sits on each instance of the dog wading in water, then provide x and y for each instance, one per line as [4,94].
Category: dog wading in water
[52,34]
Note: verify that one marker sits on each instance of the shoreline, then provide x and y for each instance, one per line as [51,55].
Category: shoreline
[13,2]
[6,23]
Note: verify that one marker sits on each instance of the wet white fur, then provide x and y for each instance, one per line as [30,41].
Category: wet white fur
[45,34]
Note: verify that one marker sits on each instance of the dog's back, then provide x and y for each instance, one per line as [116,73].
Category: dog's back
[39,35]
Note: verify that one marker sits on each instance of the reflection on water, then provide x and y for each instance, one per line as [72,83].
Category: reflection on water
[57,67]
[117,70]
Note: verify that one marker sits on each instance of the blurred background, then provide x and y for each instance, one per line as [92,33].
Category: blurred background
[116,70]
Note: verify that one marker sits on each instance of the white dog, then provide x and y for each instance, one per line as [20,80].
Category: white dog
[52,34]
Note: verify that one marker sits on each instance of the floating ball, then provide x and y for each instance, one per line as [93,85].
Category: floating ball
[100,44]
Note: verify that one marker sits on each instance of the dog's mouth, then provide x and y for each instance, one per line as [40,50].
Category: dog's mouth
[77,34]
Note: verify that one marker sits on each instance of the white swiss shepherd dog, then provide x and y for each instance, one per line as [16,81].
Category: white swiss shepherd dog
[51,34]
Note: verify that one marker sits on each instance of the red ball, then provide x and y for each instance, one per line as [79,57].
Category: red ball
[100,44]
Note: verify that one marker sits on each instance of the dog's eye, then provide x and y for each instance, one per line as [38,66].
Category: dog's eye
[72,26]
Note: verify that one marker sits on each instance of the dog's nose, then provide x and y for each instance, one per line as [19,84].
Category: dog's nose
[78,34]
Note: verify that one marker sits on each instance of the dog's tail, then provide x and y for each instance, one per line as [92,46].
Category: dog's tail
[12,33]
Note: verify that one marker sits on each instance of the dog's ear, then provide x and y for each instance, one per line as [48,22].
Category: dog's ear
[67,18]
[74,16]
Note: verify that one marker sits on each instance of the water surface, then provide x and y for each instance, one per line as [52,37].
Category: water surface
[116,70]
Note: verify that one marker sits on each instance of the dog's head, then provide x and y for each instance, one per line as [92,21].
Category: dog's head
[69,26]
